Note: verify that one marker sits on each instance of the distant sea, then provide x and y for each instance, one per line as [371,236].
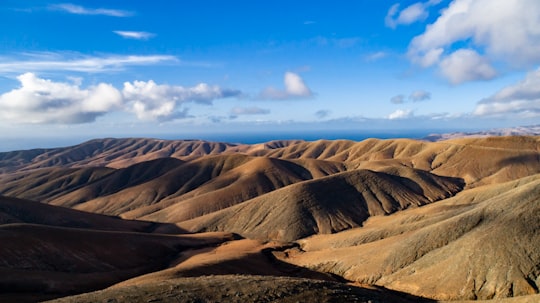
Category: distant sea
[260,137]
[11,144]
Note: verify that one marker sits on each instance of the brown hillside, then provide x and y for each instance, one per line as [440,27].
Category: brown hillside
[14,210]
[326,205]
[478,161]
[449,220]
[43,260]
[482,243]
[256,177]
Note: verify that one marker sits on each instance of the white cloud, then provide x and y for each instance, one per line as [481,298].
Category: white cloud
[151,101]
[401,114]
[294,88]
[134,35]
[76,62]
[419,95]
[80,10]
[466,65]
[237,111]
[413,13]
[506,31]
[44,101]
[521,99]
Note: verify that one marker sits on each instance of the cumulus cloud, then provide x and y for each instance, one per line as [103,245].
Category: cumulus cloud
[238,111]
[64,62]
[503,31]
[521,99]
[134,35]
[294,88]
[401,114]
[466,65]
[419,95]
[44,101]
[411,14]
[81,10]
[151,101]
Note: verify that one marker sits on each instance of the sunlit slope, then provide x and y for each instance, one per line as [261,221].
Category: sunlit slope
[482,243]
[327,205]
[114,153]
[478,160]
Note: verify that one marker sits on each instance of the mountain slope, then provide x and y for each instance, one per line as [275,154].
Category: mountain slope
[482,243]
[326,205]
[51,251]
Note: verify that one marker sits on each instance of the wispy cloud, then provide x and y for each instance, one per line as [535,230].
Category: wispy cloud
[33,62]
[376,56]
[237,111]
[135,35]
[415,96]
[419,95]
[295,88]
[323,113]
[346,42]
[81,10]
[398,99]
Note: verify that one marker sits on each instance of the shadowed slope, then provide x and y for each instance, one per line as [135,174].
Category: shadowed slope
[242,289]
[326,205]
[38,259]
[14,210]
[49,251]
[251,179]
[205,185]
[482,243]
[70,186]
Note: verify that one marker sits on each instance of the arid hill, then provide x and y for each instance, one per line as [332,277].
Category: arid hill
[448,220]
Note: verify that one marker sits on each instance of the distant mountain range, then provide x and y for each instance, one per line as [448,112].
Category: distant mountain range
[532,130]
[403,220]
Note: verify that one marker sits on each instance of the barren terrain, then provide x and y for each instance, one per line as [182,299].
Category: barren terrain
[329,221]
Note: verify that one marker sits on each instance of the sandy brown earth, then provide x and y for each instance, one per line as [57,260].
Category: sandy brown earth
[281,221]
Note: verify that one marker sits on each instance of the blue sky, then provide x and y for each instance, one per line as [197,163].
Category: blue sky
[85,69]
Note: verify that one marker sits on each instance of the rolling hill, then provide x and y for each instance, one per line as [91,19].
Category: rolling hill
[403,219]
